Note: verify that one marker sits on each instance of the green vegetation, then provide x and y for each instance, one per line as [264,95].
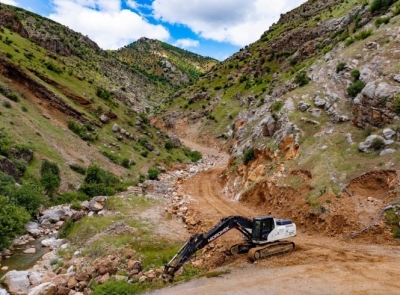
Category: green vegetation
[355,88]
[355,74]
[248,156]
[66,229]
[50,177]
[377,144]
[12,219]
[395,103]
[381,20]
[153,173]
[98,182]
[85,132]
[301,79]
[78,169]
[194,156]
[381,5]
[340,67]
[393,220]
[364,34]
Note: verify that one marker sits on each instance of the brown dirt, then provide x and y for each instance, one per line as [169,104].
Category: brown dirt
[322,263]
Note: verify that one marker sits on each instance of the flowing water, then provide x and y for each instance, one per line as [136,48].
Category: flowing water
[21,261]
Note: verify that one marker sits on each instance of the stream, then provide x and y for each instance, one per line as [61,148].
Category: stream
[21,261]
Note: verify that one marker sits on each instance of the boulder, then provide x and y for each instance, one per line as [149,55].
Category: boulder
[30,251]
[175,141]
[397,78]
[134,264]
[33,229]
[3,292]
[388,133]
[77,215]
[53,243]
[8,167]
[319,102]
[303,106]
[268,125]
[44,289]
[97,204]
[104,119]
[366,145]
[82,276]
[34,278]
[105,266]
[387,152]
[115,128]
[17,282]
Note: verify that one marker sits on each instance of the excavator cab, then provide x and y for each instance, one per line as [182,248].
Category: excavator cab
[262,226]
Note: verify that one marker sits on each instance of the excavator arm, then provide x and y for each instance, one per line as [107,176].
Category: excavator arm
[199,241]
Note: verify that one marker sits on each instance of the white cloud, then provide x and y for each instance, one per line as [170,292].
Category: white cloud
[132,4]
[234,21]
[105,22]
[11,2]
[187,43]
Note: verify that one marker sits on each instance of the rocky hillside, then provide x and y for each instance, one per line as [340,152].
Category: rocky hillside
[164,63]
[311,106]
[67,101]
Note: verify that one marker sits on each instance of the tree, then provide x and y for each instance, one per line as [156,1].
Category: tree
[50,177]
[12,219]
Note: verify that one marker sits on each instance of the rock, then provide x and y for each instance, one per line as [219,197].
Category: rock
[349,138]
[90,214]
[3,292]
[5,252]
[82,276]
[105,266]
[268,126]
[17,282]
[366,145]
[134,264]
[30,251]
[72,282]
[315,112]
[387,152]
[142,279]
[85,205]
[33,229]
[115,128]
[104,119]
[8,167]
[44,289]
[149,146]
[78,215]
[34,278]
[397,78]
[56,214]
[22,154]
[97,203]
[64,291]
[304,119]
[104,278]
[371,45]
[388,133]
[53,243]
[319,102]
[4,268]
[303,106]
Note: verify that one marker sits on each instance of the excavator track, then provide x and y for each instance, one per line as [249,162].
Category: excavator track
[270,249]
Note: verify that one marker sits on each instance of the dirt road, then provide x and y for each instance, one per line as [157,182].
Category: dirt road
[319,265]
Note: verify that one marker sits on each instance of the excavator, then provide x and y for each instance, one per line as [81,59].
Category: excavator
[262,237]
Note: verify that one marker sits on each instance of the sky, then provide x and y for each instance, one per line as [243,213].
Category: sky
[215,28]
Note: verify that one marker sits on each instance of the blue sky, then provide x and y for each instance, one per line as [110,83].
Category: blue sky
[216,28]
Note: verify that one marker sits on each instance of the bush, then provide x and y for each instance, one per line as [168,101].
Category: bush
[50,177]
[4,146]
[78,169]
[381,20]
[364,34]
[66,229]
[377,144]
[6,104]
[169,145]
[98,182]
[194,156]
[248,156]
[28,196]
[104,94]
[52,67]
[381,5]
[301,78]
[355,88]
[82,131]
[153,173]
[277,106]
[355,74]
[12,219]
[126,163]
[340,67]
[395,103]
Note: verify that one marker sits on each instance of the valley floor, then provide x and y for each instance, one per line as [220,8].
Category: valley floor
[319,264]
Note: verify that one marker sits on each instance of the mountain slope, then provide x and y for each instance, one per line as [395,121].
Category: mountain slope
[296,110]
[164,63]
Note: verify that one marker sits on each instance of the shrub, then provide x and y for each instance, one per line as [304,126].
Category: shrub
[4,146]
[382,20]
[340,67]
[355,88]
[126,163]
[364,34]
[377,144]
[104,94]
[169,145]
[12,219]
[355,74]
[396,9]
[381,5]
[141,178]
[194,156]
[78,169]
[113,158]
[66,229]
[28,196]
[301,78]
[50,177]
[6,104]
[52,67]
[83,131]
[98,182]
[153,173]
[395,103]
[277,106]
[248,156]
